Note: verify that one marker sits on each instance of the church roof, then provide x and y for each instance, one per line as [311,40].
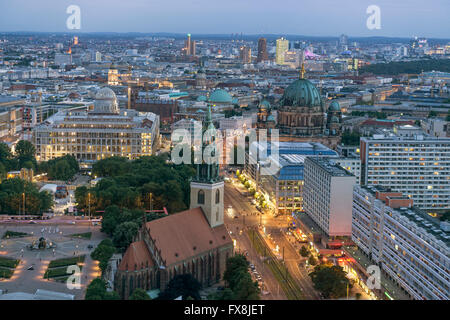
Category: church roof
[301,93]
[334,106]
[220,96]
[136,257]
[186,234]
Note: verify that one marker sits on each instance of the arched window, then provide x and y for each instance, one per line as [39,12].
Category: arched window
[217,196]
[201,197]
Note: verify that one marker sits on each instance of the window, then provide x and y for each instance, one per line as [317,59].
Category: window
[201,197]
[217,196]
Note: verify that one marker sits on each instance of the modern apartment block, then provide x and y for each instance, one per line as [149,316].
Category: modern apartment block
[409,246]
[418,166]
[327,196]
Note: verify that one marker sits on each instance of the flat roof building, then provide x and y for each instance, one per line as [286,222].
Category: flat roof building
[327,195]
[91,135]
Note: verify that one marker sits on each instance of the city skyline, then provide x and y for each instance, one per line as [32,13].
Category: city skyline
[314,19]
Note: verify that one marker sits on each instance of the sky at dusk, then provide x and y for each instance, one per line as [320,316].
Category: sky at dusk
[403,18]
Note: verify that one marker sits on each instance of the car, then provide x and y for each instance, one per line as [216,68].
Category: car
[32,222]
[252,266]
[30,268]
[90,246]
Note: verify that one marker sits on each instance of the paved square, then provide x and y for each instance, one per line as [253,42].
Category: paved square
[29,281]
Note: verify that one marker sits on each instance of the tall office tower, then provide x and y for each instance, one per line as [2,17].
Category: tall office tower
[407,244]
[245,54]
[414,164]
[282,47]
[343,40]
[75,40]
[187,45]
[193,48]
[262,50]
[327,196]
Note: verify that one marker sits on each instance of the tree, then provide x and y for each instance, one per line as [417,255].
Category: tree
[184,285]
[13,192]
[139,294]
[124,234]
[330,280]
[246,288]
[25,151]
[5,152]
[304,251]
[239,280]
[103,253]
[96,290]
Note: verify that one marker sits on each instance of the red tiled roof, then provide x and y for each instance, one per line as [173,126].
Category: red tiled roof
[186,234]
[136,257]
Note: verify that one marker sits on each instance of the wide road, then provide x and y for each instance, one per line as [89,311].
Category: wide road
[249,216]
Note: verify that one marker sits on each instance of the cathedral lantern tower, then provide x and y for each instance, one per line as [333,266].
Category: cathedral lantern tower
[207,187]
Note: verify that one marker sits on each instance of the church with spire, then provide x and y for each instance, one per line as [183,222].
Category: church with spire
[194,241]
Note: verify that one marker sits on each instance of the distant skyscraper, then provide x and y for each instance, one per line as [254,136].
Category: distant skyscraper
[245,54]
[282,47]
[189,46]
[75,40]
[262,50]
[343,40]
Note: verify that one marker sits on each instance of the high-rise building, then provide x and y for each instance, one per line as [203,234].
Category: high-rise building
[189,46]
[416,165]
[281,49]
[408,245]
[262,50]
[327,196]
[245,54]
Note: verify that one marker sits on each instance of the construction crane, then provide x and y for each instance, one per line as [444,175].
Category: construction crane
[40,104]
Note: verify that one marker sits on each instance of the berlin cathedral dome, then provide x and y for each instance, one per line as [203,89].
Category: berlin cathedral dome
[301,109]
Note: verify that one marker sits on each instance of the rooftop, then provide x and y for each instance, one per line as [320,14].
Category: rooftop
[330,167]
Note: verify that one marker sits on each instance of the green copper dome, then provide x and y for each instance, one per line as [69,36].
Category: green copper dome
[334,106]
[220,96]
[201,98]
[264,104]
[301,93]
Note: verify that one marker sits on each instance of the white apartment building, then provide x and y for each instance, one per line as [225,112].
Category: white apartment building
[91,135]
[327,196]
[418,166]
[408,245]
[352,165]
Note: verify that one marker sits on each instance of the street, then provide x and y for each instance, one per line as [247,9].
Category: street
[249,216]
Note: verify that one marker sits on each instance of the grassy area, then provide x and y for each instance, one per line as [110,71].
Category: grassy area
[14,234]
[8,262]
[6,273]
[57,269]
[57,272]
[279,270]
[66,262]
[85,235]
